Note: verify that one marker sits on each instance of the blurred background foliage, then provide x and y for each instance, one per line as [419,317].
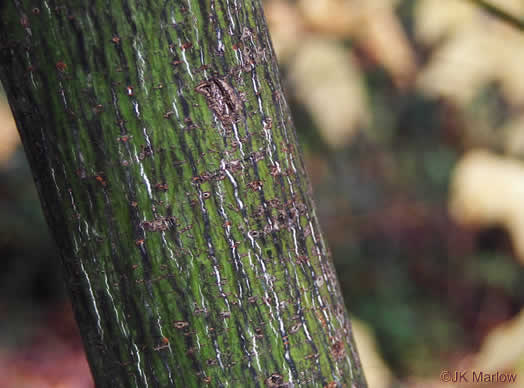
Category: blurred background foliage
[411,118]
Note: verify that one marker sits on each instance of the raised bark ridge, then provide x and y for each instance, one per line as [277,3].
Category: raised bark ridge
[166,161]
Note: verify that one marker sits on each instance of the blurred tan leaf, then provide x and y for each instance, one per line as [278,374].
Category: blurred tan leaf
[377,373]
[514,136]
[337,17]
[8,133]
[478,48]
[503,348]
[435,19]
[327,80]
[384,38]
[511,57]
[372,23]
[487,190]
[457,70]
[286,26]
[514,7]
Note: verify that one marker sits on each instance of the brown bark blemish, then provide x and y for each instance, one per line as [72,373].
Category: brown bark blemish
[338,350]
[180,324]
[61,66]
[276,381]
[186,46]
[222,99]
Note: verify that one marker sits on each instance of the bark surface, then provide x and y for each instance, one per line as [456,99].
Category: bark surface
[167,165]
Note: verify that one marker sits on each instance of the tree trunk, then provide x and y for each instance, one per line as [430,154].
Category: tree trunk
[167,166]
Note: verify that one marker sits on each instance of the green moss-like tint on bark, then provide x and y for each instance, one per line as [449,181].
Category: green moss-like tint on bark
[167,165]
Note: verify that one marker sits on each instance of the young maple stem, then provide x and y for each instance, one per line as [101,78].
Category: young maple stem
[167,165]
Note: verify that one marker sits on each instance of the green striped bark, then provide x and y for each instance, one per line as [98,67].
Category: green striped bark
[167,165]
